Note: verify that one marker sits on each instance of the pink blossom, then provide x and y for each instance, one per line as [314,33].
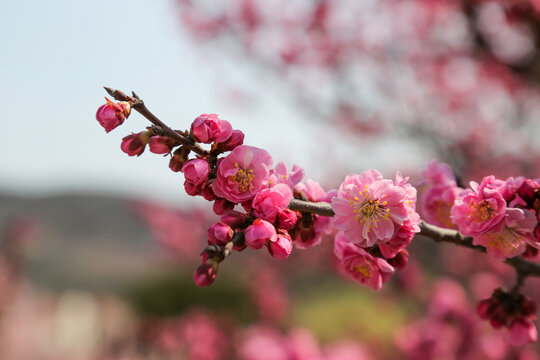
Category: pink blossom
[521,332]
[370,209]
[402,239]
[192,189]
[234,218]
[134,144]
[346,350]
[236,139]
[280,175]
[205,274]
[242,173]
[360,265]
[438,174]
[281,248]
[528,191]
[268,202]
[161,144]
[286,219]
[111,115]
[220,234]
[221,206]
[479,209]
[208,128]
[436,204]
[263,343]
[510,237]
[258,233]
[303,345]
[196,171]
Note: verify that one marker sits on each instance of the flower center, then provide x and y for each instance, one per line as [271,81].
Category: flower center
[369,211]
[364,270]
[243,178]
[482,211]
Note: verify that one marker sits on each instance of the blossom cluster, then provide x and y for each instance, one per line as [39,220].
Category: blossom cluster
[377,220]
[500,215]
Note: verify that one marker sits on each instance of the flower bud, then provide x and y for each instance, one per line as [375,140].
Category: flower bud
[236,139]
[258,233]
[220,234]
[208,128]
[485,308]
[221,206]
[521,332]
[400,260]
[286,219]
[134,144]
[161,144]
[111,115]
[528,191]
[206,273]
[282,247]
[233,218]
[196,171]
[208,193]
[179,158]
[192,189]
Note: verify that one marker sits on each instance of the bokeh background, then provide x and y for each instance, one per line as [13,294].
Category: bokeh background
[98,249]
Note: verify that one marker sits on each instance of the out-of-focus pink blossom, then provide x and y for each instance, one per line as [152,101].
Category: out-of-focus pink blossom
[258,233]
[479,209]
[510,237]
[263,343]
[438,174]
[370,209]
[242,173]
[161,144]
[134,144]
[205,274]
[208,128]
[236,139]
[522,332]
[303,345]
[436,204]
[346,350]
[111,115]
[360,265]
[281,248]
[220,234]
[196,171]
[280,175]
[268,202]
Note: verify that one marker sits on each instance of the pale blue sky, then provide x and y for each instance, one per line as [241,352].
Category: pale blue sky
[56,56]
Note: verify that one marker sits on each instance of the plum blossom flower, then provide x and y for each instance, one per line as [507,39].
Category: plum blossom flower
[438,174]
[510,237]
[268,202]
[360,265]
[257,234]
[220,234]
[479,209]
[281,247]
[206,273]
[208,128]
[161,144]
[134,144]
[196,171]
[370,209]
[521,332]
[280,175]
[242,173]
[111,115]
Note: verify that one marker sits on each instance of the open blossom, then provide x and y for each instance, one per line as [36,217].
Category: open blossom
[242,173]
[370,209]
[208,128]
[196,171]
[510,237]
[268,202]
[280,175]
[111,115]
[360,265]
[479,209]
[437,201]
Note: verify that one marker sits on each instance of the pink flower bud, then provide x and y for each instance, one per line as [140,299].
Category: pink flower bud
[485,308]
[192,189]
[221,206]
[220,234]
[521,332]
[282,247]
[286,219]
[208,128]
[236,139]
[208,193]
[134,144]
[528,191]
[196,171]
[205,274]
[400,260]
[258,233]
[161,144]
[111,115]
[268,202]
[178,159]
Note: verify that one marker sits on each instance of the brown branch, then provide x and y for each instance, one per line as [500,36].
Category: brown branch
[523,267]
[138,105]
